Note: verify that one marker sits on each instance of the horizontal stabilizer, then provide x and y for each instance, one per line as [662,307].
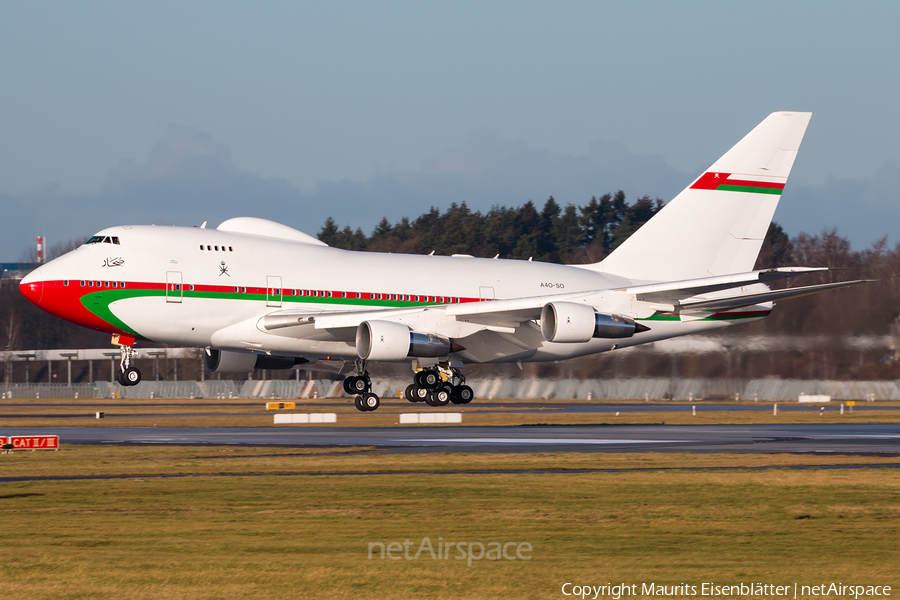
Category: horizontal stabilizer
[771,296]
[673,291]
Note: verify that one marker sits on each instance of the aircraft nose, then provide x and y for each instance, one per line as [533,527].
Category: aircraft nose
[32,287]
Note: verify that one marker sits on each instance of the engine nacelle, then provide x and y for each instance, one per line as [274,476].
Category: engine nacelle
[568,322]
[385,340]
[224,361]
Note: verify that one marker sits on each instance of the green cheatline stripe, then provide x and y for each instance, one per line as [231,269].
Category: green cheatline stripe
[98,302]
[752,190]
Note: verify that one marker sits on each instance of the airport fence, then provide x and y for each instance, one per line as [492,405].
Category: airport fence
[639,388]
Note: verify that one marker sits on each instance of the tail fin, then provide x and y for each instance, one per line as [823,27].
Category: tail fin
[717,224]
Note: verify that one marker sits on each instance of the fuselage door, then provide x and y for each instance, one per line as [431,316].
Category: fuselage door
[273,291]
[174,287]
[486,293]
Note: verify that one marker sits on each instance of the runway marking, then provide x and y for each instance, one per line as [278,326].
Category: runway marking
[544,441]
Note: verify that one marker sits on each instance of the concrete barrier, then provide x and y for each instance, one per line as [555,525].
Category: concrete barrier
[428,418]
[304,418]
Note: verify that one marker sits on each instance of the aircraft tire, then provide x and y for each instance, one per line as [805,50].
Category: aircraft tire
[359,405]
[441,395]
[430,380]
[131,376]
[347,389]
[464,394]
[358,385]
[370,401]
[410,393]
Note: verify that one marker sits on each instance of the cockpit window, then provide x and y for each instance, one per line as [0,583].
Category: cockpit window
[100,239]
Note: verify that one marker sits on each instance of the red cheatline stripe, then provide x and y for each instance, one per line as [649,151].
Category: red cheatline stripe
[713,181]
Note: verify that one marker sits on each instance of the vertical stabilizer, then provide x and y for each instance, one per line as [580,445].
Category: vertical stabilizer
[717,224]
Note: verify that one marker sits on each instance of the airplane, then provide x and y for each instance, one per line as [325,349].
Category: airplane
[256,294]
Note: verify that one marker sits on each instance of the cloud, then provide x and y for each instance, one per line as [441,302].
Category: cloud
[188,178]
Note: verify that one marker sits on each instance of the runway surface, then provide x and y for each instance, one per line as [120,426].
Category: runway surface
[507,407]
[828,437]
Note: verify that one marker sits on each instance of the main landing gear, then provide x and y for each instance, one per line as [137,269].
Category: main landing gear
[439,386]
[435,386]
[127,375]
[361,386]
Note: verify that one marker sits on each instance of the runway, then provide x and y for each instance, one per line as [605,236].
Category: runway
[826,438]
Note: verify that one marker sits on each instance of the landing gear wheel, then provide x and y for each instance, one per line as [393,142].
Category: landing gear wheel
[347,389]
[131,376]
[359,405]
[440,396]
[120,377]
[410,393]
[428,379]
[421,394]
[370,401]
[358,385]
[463,395]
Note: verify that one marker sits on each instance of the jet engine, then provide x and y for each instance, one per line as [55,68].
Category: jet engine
[568,322]
[223,361]
[385,340]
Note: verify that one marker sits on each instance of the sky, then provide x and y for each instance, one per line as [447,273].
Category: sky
[183,112]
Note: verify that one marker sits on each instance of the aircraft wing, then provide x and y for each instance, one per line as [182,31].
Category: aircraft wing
[332,320]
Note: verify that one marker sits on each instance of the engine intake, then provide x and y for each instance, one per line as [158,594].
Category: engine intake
[385,340]
[569,322]
[224,361]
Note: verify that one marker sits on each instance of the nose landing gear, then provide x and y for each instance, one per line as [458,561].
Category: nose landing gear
[127,374]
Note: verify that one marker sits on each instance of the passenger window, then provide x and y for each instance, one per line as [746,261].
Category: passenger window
[65,282]
[90,284]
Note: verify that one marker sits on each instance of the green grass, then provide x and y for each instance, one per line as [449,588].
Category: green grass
[308,536]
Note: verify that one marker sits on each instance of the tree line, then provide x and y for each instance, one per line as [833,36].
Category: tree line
[583,234]
[570,234]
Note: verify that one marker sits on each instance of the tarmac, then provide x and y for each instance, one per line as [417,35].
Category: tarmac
[838,438]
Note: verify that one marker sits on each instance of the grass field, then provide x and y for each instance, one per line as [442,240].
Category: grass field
[307,536]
